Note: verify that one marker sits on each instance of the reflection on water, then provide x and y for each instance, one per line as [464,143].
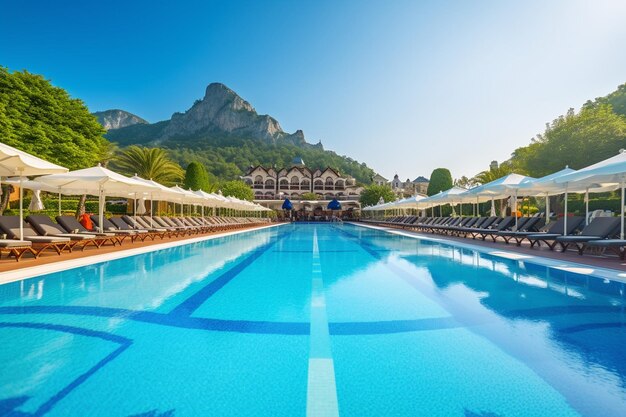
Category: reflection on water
[142,282]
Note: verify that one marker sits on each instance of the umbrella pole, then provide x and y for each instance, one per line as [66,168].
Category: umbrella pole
[587,207]
[59,201]
[621,234]
[101,208]
[515,207]
[547,208]
[151,209]
[565,219]
[135,211]
[21,210]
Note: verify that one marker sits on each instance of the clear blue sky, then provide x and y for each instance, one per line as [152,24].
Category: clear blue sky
[406,86]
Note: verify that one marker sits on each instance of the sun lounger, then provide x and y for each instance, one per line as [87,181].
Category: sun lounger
[71,225]
[617,246]
[599,228]
[121,225]
[555,230]
[107,226]
[15,248]
[525,224]
[10,225]
[44,226]
[138,223]
[498,225]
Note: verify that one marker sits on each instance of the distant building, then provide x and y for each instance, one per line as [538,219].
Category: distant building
[406,188]
[292,182]
[379,180]
[493,165]
[420,185]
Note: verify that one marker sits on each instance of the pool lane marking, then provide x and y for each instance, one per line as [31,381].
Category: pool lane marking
[123,343]
[193,302]
[321,385]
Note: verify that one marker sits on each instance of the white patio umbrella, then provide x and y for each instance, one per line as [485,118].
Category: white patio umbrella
[209,199]
[99,181]
[608,173]
[36,185]
[14,162]
[450,196]
[503,187]
[160,193]
[187,197]
[35,203]
[141,207]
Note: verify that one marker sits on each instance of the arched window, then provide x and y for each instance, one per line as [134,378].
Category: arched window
[269,184]
[284,184]
[318,184]
[339,185]
[295,183]
[258,180]
[305,184]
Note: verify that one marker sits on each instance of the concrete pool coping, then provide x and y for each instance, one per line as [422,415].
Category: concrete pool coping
[62,265]
[505,252]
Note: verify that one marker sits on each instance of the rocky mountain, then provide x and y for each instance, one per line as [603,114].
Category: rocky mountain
[116,119]
[226,134]
[221,112]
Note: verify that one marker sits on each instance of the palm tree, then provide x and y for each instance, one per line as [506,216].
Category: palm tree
[149,163]
[493,174]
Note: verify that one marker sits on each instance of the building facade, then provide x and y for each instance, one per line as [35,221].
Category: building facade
[293,182]
[407,188]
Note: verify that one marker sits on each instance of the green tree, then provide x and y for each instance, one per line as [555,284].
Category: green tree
[197,177]
[465,182]
[575,139]
[372,194]
[309,196]
[149,163]
[440,180]
[45,121]
[493,174]
[238,189]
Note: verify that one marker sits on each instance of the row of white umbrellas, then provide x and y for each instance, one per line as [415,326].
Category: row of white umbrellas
[102,182]
[606,175]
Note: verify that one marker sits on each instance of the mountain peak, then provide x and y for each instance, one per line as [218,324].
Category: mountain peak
[116,119]
[221,112]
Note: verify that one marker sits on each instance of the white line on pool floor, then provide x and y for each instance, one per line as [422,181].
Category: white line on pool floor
[321,386]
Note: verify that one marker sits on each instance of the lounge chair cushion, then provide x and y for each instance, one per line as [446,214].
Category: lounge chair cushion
[11,226]
[608,242]
[10,243]
[47,239]
[577,238]
[69,223]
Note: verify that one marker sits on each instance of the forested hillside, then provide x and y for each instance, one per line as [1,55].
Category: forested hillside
[44,120]
[577,139]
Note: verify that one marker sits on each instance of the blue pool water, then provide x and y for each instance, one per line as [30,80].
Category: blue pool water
[317,320]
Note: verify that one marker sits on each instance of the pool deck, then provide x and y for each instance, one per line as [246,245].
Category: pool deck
[609,265]
[50,261]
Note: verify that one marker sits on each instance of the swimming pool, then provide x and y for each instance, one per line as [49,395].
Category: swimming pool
[313,319]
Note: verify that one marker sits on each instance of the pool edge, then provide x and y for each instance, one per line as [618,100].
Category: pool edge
[568,266]
[35,271]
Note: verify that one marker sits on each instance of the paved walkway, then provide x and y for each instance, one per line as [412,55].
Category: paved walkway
[49,257]
[608,260]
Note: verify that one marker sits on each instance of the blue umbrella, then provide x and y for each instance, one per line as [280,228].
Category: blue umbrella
[287,205]
[334,205]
